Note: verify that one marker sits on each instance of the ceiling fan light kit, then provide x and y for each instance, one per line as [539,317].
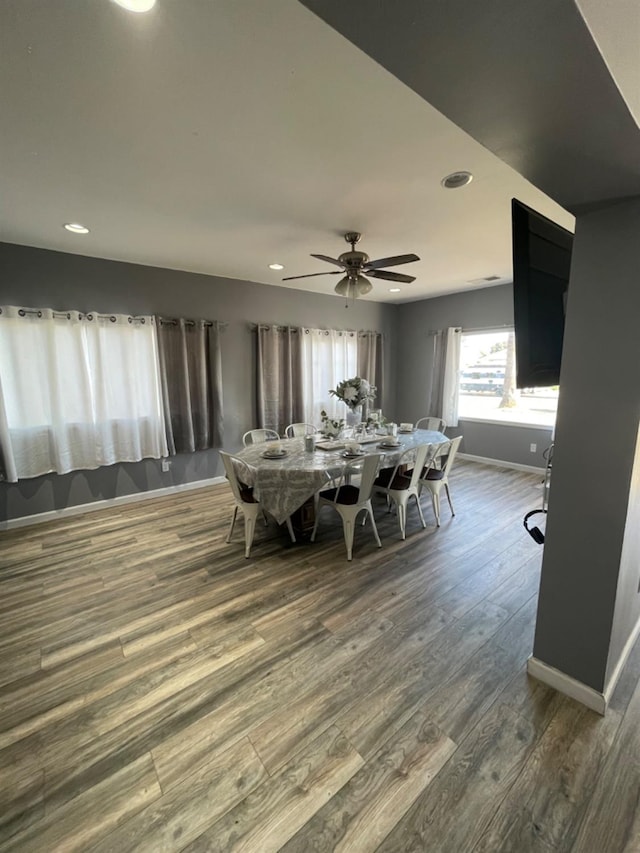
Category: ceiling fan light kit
[353,286]
[357,265]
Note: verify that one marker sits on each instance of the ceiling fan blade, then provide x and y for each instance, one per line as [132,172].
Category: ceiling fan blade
[328,260]
[391,276]
[311,274]
[390,262]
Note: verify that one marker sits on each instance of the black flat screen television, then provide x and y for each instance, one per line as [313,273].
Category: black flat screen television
[541,264]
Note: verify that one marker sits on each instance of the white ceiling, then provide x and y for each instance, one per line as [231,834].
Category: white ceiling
[219,137]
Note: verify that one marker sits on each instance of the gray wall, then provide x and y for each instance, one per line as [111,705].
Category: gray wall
[37,277]
[473,309]
[589,602]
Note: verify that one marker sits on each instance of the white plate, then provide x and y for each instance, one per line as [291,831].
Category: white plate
[390,444]
[406,431]
[269,454]
[349,454]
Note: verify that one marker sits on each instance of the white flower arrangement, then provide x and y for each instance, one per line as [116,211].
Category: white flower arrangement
[354,392]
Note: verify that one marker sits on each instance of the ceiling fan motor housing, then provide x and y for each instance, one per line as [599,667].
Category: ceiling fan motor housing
[353,260]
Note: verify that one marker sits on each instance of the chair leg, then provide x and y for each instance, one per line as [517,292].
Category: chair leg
[435,497]
[402,518]
[315,526]
[348,526]
[446,486]
[249,530]
[369,509]
[233,521]
[424,523]
[290,529]
[266,520]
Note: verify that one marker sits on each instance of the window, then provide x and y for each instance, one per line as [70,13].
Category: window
[487,383]
[328,357]
[77,391]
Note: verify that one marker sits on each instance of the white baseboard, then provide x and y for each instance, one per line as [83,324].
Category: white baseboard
[41,517]
[499,463]
[626,651]
[567,685]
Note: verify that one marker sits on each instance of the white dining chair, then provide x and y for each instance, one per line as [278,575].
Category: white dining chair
[434,478]
[300,430]
[349,500]
[257,436]
[437,424]
[398,485]
[246,502]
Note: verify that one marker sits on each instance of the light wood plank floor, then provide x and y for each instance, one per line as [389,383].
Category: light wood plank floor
[158,692]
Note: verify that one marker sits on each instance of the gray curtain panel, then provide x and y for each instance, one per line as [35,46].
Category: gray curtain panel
[371,366]
[437,373]
[279,377]
[3,467]
[5,440]
[191,375]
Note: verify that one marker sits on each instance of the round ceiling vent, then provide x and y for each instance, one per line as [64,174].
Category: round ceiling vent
[456,180]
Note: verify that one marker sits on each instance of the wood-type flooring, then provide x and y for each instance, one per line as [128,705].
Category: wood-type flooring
[158,692]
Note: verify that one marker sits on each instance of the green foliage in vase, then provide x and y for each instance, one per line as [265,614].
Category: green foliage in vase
[330,427]
[354,392]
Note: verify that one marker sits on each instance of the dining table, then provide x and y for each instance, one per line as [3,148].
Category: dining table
[283,483]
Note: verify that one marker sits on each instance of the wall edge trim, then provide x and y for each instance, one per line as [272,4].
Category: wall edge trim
[134,497]
[626,651]
[500,463]
[566,684]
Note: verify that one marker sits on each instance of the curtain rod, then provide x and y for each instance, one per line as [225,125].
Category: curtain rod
[478,329]
[173,321]
[494,328]
[254,326]
[432,332]
[37,312]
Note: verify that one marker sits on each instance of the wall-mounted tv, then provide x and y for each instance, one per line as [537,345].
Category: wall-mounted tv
[541,264]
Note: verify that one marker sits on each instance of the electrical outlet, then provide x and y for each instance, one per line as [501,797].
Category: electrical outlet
[533,448]
[166,464]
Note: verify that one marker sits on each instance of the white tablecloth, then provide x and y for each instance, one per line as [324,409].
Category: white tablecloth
[283,485]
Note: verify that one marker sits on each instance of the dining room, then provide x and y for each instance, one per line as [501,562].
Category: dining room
[179,267]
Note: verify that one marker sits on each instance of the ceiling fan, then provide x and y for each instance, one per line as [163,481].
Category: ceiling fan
[357,265]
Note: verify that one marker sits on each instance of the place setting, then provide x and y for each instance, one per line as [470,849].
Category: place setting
[352,450]
[275,452]
[390,443]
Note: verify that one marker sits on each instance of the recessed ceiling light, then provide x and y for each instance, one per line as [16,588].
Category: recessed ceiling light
[76,228]
[276,266]
[394,290]
[136,5]
[456,180]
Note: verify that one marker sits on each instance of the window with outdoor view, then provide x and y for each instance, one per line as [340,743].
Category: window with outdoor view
[487,389]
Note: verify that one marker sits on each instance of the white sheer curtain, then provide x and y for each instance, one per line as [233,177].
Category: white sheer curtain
[78,391]
[445,375]
[328,357]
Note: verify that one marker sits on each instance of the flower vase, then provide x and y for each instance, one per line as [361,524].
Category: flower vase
[354,419]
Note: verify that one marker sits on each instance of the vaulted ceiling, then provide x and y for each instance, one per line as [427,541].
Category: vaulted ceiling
[221,137]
